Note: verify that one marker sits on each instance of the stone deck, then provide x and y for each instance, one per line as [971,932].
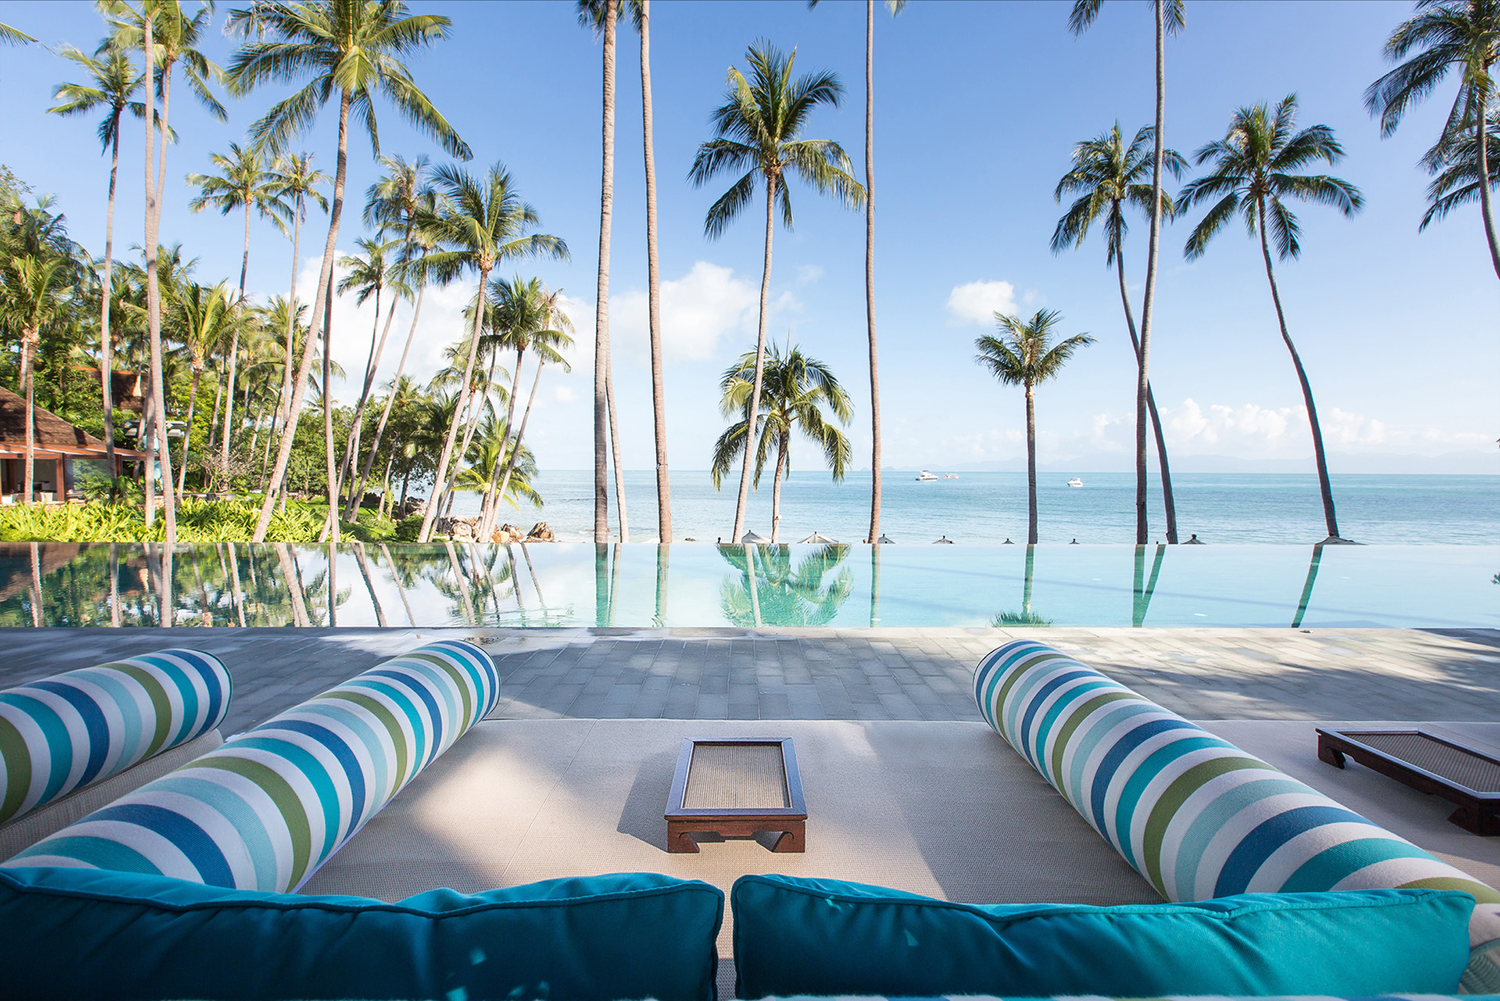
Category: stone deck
[854,674]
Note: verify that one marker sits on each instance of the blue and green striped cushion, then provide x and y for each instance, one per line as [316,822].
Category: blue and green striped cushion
[71,730]
[263,811]
[1195,815]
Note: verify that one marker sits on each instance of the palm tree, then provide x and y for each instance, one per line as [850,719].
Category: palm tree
[524,313]
[399,200]
[243,182]
[1255,166]
[1023,355]
[370,276]
[205,315]
[1462,34]
[1106,174]
[1458,183]
[653,288]
[484,225]
[757,130]
[354,49]
[796,388]
[493,448]
[895,7]
[166,36]
[35,295]
[1169,19]
[601,15]
[113,87]
[296,182]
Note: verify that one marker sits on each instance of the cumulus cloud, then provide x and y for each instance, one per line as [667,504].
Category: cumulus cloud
[978,302]
[696,311]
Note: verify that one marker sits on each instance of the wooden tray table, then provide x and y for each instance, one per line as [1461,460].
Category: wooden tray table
[736,788]
[1428,763]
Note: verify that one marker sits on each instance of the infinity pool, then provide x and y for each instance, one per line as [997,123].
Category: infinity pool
[67,584]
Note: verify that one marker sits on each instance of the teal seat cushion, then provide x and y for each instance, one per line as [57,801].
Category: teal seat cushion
[113,936]
[820,936]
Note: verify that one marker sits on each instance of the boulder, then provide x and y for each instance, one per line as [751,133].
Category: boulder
[540,532]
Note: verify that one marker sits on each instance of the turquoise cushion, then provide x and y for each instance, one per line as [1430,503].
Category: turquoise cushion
[822,936]
[79,933]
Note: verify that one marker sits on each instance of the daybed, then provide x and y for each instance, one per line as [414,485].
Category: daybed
[181,887]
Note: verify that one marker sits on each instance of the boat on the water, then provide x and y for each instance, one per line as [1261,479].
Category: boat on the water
[950,476]
[1075,482]
[924,476]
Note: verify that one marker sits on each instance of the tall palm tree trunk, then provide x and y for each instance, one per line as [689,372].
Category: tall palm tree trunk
[753,412]
[614,449]
[781,450]
[490,506]
[28,377]
[1161,441]
[325,281]
[283,407]
[1030,464]
[601,310]
[390,400]
[106,343]
[234,357]
[1307,397]
[1486,209]
[187,434]
[158,437]
[870,268]
[653,294]
[1143,366]
[515,449]
[329,464]
[442,467]
[351,448]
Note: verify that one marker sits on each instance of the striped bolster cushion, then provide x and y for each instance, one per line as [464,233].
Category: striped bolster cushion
[71,730]
[270,805]
[1195,815]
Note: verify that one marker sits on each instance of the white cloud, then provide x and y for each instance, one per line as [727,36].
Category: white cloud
[696,311]
[564,394]
[809,273]
[978,302]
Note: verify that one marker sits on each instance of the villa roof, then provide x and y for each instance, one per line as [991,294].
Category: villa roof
[53,435]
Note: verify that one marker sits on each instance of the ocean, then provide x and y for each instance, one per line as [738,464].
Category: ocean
[989,508]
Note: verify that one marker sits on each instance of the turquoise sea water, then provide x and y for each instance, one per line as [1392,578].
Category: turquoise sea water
[979,508]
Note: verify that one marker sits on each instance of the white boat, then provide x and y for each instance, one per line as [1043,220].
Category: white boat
[1075,482]
[950,476]
[925,476]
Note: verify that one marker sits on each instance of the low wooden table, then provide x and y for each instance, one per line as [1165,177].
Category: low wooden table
[736,788]
[1428,763]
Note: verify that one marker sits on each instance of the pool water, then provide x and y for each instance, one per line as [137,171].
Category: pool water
[643,585]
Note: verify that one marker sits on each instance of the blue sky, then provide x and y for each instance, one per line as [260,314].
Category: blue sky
[977,108]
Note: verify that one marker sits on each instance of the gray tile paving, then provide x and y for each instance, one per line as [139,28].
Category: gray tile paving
[916,674]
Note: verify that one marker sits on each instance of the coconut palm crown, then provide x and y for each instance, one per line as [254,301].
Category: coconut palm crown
[1256,170]
[1462,35]
[756,131]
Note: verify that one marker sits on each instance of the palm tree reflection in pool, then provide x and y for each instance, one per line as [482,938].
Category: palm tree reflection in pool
[770,590]
[1025,617]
